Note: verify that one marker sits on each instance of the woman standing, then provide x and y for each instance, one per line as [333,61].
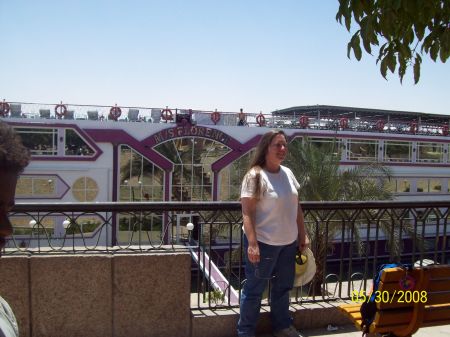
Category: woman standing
[274,231]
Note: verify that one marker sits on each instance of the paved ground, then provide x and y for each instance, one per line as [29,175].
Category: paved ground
[349,330]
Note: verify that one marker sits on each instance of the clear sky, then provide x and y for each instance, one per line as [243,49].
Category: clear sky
[259,55]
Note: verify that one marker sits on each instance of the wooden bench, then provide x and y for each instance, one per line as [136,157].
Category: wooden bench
[394,315]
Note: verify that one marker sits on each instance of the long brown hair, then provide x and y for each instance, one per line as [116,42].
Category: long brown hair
[259,159]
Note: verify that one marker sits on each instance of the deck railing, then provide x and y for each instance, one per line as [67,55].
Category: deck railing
[313,121]
[349,239]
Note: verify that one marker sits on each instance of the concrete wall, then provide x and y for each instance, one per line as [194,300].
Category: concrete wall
[99,295]
[124,295]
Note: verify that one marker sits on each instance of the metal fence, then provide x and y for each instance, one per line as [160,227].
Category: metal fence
[349,239]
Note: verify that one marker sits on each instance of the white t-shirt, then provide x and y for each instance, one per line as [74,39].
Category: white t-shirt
[276,210]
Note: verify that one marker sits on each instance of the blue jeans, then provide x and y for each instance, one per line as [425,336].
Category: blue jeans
[277,264]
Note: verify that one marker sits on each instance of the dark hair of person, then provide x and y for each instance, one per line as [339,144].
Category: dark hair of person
[14,156]
[259,159]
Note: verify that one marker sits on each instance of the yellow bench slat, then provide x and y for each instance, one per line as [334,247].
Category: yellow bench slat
[393,317]
[353,312]
[438,285]
[350,307]
[438,297]
[437,313]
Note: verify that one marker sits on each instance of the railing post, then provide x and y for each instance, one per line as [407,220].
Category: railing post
[115,193]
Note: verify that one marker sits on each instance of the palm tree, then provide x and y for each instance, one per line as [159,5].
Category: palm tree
[316,166]
[322,179]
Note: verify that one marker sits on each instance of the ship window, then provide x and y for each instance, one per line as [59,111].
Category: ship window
[192,178]
[143,229]
[32,187]
[435,185]
[140,180]
[397,151]
[82,224]
[40,141]
[429,245]
[231,177]
[362,149]
[75,145]
[403,185]
[390,185]
[85,189]
[322,143]
[422,185]
[430,152]
[21,225]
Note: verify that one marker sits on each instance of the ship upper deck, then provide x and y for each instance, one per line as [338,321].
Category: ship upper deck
[317,117]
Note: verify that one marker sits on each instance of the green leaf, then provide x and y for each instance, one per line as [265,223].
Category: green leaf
[349,48]
[404,50]
[366,33]
[419,28]
[357,48]
[426,45]
[348,22]
[443,55]
[445,45]
[416,71]
[357,9]
[434,51]
[383,47]
[367,6]
[418,58]
[402,69]
[383,68]
[409,36]
[391,63]
[366,45]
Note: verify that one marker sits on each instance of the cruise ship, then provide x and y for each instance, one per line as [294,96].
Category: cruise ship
[95,153]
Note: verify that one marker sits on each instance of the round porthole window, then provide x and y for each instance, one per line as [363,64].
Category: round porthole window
[85,189]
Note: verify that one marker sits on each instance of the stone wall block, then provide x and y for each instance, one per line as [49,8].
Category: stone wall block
[15,289]
[151,295]
[71,295]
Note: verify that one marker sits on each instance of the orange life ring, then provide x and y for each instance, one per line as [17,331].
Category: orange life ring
[261,120]
[60,110]
[115,112]
[4,109]
[445,130]
[380,125]
[413,127]
[215,117]
[304,121]
[343,122]
[166,114]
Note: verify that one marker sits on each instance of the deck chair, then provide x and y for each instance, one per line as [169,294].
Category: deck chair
[133,115]
[92,115]
[69,114]
[156,115]
[44,113]
[15,110]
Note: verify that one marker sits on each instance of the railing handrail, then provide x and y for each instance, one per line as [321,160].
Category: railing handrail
[211,205]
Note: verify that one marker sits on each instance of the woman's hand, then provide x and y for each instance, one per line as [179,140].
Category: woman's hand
[253,253]
[303,242]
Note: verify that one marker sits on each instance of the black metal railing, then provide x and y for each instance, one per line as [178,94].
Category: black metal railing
[349,239]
